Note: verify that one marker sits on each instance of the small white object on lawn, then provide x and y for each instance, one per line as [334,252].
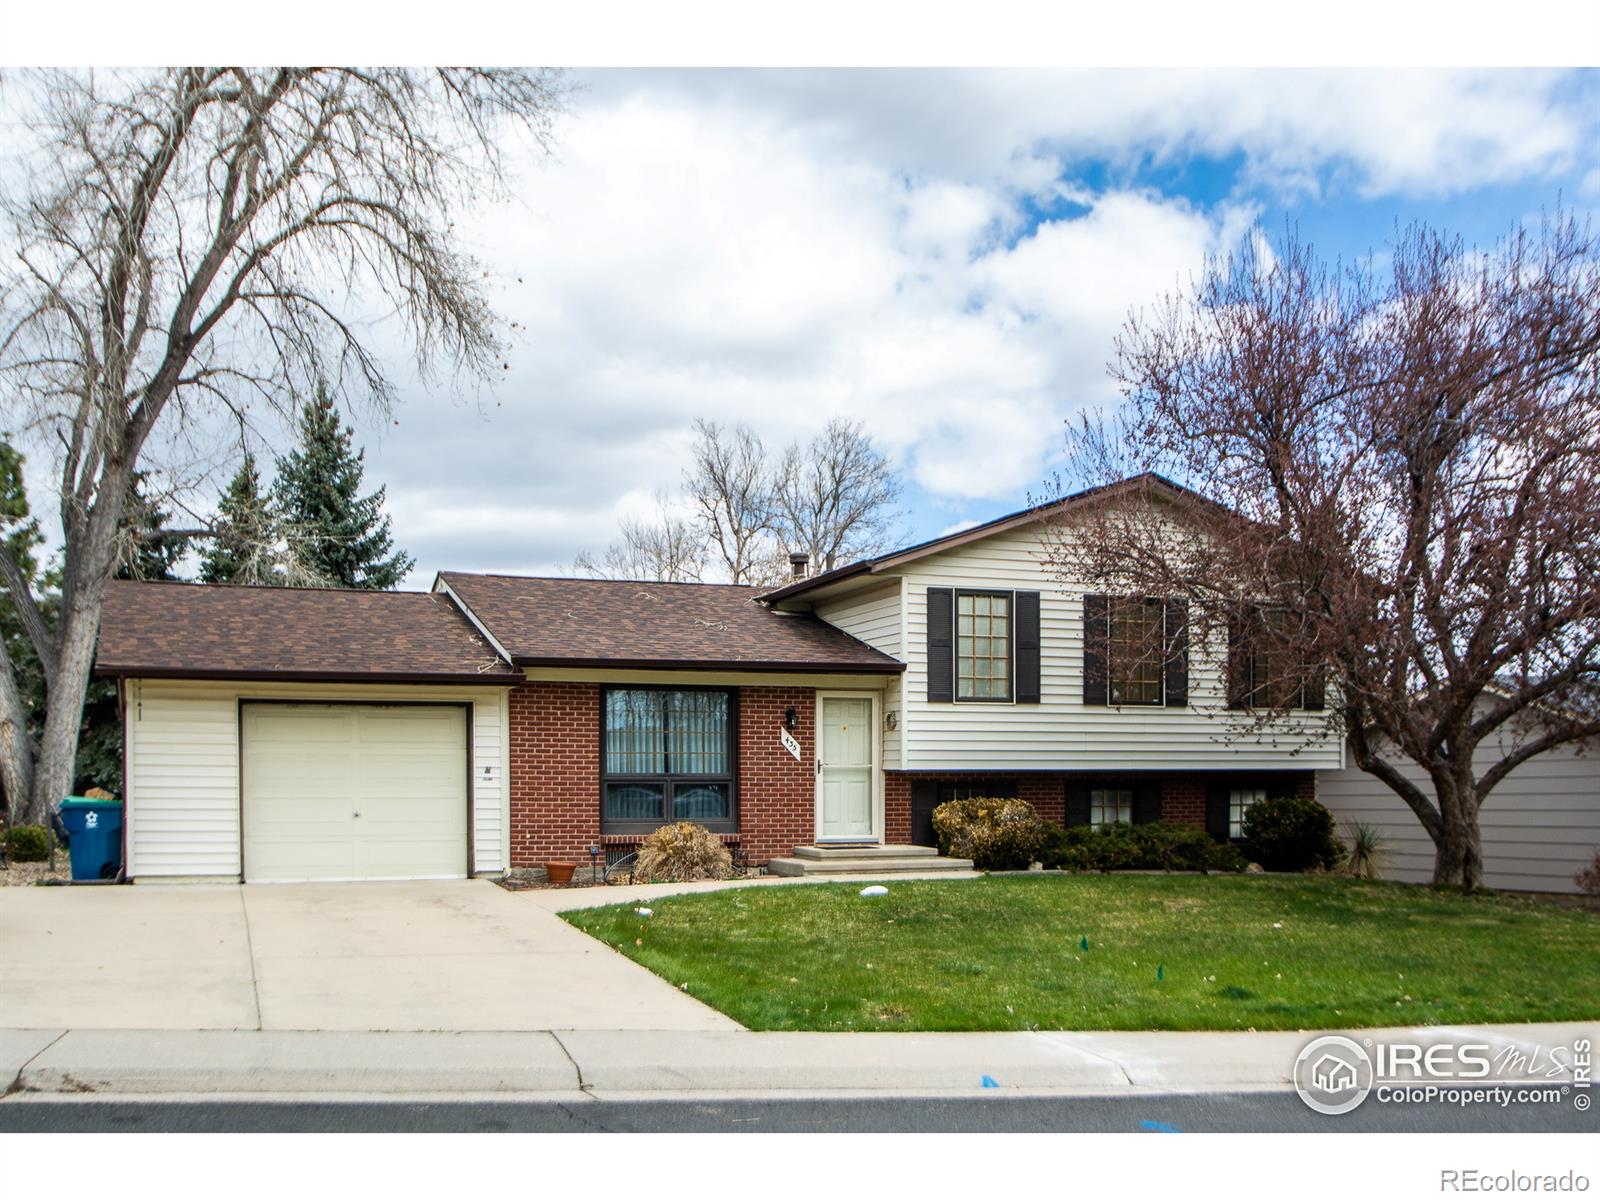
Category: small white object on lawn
[876,889]
[645,912]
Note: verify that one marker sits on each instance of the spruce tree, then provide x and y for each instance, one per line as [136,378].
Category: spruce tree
[149,551]
[317,494]
[244,549]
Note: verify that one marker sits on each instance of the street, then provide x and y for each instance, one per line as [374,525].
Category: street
[1198,1113]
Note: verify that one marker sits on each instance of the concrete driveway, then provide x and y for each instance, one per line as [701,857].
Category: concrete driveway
[462,955]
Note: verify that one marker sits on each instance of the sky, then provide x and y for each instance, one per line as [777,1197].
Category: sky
[944,256]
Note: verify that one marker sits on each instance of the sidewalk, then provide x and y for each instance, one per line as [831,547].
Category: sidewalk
[633,1063]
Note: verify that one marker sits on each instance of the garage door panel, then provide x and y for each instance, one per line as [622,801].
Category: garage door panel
[354,792]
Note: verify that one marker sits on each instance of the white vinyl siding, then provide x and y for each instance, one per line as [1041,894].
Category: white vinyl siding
[182,786]
[1539,826]
[1061,732]
[874,616]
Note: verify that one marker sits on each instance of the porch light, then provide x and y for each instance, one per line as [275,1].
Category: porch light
[791,719]
[891,720]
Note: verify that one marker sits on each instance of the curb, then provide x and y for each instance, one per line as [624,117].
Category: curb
[643,1063]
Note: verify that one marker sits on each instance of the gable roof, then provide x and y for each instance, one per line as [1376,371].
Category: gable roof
[1147,482]
[605,622]
[209,631]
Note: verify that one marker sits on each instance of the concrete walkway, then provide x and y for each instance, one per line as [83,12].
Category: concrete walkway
[621,1063]
[457,956]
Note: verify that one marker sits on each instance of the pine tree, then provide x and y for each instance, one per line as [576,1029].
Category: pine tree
[149,551]
[245,548]
[318,494]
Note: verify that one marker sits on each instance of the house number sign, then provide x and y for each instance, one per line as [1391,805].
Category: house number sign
[789,744]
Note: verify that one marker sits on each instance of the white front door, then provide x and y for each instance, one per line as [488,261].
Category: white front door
[845,769]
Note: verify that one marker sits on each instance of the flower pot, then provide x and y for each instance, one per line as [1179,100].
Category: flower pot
[560,872]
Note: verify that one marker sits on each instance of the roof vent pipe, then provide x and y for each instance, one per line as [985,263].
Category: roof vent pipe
[799,564]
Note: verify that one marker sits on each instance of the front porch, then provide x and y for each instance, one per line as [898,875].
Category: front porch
[866,860]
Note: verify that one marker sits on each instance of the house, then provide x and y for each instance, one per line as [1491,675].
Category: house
[500,722]
[1539,827]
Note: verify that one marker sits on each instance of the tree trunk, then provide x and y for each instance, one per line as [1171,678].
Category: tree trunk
[1458,851]
[58,749]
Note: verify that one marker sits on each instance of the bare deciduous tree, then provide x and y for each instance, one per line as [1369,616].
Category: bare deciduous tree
[213,238]
[1406,460]
[731,488]
[666,548]
[835,496]
[831,498]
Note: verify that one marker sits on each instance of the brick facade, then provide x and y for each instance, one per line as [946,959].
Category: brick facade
[1183,796]
[555,772]
[777,796]
[555,777]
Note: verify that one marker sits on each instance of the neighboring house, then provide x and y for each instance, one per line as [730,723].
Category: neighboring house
[1539,826]
[504,721]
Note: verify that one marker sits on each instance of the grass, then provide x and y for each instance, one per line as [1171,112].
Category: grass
[1313,952]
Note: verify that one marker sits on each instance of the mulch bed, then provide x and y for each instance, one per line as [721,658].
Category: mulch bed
[27,874]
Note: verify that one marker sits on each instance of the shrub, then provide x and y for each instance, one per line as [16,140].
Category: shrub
[1588,879]
[1368,849]
[997,834]
[28,843]
[1291,833]
[680,852]
[1153,846]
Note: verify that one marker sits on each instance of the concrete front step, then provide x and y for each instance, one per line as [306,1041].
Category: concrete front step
[830,853]
[921,864]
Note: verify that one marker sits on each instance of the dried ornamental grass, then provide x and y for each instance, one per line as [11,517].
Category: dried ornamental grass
[682,852]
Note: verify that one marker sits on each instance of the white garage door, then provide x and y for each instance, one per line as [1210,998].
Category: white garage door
[334,791]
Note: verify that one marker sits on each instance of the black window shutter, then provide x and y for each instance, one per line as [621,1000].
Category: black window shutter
[1077,804]
[1096,639]
[1147,802]
[1316,695]
[941,655]
[1177,688]
[1217,809]
[1238,664]
[924,799]
[1027,624]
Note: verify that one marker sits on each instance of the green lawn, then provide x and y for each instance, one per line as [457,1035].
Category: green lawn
[1311,952]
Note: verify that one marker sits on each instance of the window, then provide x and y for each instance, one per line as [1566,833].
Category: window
[983,646]
[1110,806]
[1239,802]
[666,755]
[999,789]
[1269,674]
[1134,646]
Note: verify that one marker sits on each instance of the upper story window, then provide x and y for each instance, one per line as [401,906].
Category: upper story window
[1263,672]
[666,755]
[1134,645]
[1135,651]
[1110,806]
[983,645]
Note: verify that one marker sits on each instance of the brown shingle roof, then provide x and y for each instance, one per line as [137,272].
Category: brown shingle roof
[597,622]
[190,631]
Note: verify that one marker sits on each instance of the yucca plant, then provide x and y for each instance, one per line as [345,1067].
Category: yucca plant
[1368,849]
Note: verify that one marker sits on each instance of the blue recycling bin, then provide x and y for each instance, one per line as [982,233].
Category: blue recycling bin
[94,836]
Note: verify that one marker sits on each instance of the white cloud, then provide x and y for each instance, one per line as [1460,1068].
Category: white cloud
[783,247]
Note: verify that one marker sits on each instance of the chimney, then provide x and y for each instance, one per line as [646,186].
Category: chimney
[799,564]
